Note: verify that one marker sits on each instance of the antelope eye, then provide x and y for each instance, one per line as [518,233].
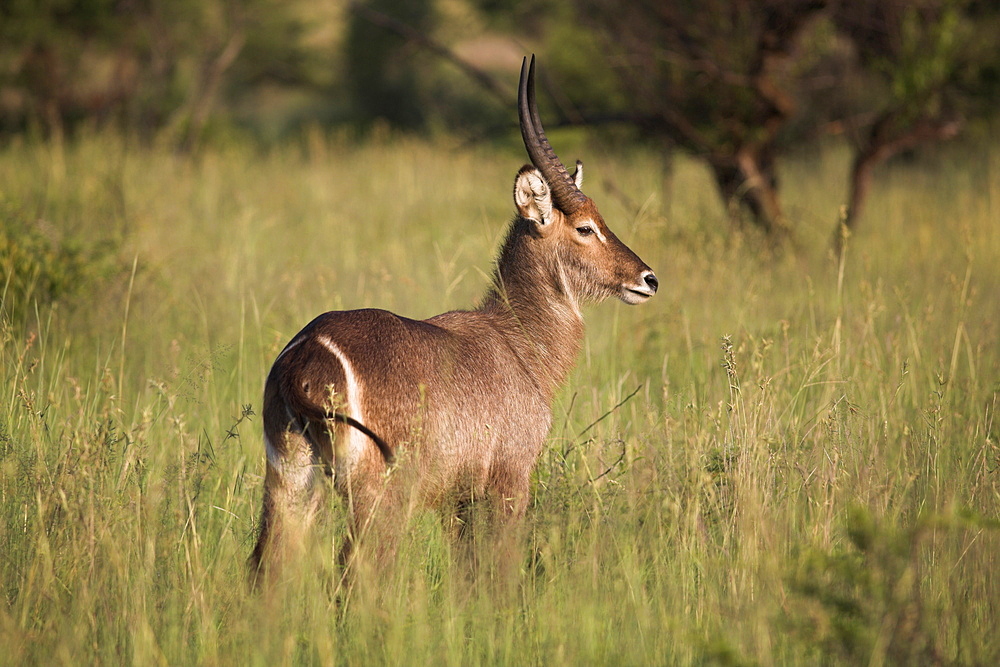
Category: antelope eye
[585,230]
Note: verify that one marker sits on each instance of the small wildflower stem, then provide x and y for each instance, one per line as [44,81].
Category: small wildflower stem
[128,303]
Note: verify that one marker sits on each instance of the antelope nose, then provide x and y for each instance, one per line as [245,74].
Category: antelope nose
[651,281]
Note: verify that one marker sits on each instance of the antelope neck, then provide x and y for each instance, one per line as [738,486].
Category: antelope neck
[532,305]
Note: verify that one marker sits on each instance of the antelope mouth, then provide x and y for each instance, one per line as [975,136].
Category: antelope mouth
[639,293]
[634,295]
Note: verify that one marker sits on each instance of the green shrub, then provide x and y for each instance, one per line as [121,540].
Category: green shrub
[43,265]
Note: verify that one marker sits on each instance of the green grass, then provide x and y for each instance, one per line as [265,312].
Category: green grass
[808,474]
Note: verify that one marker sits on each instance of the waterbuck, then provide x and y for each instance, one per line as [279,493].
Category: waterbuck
[461,401]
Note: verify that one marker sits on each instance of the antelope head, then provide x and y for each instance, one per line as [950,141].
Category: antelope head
[592,262]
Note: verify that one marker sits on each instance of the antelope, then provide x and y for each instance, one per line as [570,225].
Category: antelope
[462,401]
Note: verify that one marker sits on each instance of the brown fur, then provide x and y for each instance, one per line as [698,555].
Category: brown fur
[463,398]
[466,395]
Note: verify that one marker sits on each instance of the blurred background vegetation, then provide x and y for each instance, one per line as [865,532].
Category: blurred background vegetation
[785,458]
[737,84]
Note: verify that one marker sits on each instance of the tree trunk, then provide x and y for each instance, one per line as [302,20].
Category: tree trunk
[747,180]
[886,139]
[860,184]
[212,75]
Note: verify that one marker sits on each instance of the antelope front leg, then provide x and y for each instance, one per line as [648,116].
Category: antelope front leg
[504,507]
[508,509]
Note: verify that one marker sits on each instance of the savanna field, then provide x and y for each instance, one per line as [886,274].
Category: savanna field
[781,459]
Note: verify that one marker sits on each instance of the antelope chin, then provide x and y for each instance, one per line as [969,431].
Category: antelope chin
[635,295]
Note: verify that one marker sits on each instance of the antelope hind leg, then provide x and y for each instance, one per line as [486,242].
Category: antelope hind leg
[291,501]
[378,513]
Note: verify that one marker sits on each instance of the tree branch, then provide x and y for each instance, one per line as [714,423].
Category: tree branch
[407,32]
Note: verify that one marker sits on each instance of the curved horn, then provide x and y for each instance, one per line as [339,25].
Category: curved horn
[566,196]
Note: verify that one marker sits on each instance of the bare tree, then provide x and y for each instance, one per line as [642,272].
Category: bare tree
[911,54]
[723,79]
[710,77]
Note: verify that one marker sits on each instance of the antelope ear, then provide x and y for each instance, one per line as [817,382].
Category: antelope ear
[533,197]
[578,175]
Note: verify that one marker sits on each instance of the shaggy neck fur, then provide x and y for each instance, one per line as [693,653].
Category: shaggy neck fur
[534,303]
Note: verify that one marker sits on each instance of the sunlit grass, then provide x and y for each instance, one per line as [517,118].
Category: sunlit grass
[806,471]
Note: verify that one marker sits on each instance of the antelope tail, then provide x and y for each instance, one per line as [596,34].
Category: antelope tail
[382,445]
[295,396]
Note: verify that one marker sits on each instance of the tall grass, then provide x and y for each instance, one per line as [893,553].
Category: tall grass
[778,460]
